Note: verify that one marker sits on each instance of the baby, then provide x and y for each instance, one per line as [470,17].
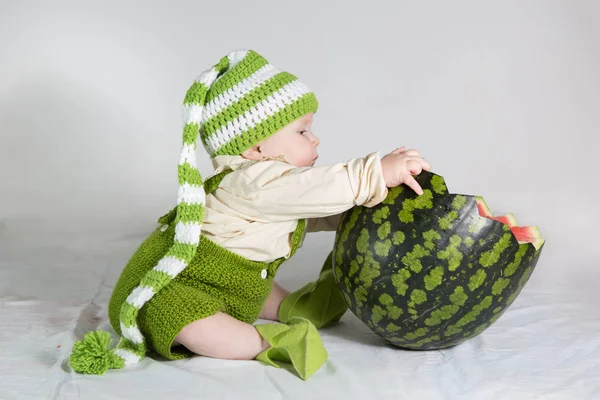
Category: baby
[198,283]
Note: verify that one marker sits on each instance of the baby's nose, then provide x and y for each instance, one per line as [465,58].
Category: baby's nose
[315,140]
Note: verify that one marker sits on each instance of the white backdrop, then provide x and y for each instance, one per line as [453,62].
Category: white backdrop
[503,98]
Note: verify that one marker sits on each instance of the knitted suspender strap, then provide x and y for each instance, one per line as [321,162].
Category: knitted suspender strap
[211,184]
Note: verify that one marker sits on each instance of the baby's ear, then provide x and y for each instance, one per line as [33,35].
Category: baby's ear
[253,153]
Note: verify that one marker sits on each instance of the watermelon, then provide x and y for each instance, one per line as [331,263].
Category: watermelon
[431,271]
[523,234]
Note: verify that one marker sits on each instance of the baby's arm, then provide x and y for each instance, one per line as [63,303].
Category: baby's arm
[397,167]
[277,191]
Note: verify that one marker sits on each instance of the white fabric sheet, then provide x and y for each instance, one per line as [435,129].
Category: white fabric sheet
[55,283]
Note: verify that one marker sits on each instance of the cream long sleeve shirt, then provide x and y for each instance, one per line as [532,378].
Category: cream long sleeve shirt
[257,206]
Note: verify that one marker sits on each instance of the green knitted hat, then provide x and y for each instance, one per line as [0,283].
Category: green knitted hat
[249,101]
[236,104]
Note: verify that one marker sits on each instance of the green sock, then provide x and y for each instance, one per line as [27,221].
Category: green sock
[297,343]
[320,302]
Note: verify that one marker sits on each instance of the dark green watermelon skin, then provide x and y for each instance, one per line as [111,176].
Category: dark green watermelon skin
[428,272]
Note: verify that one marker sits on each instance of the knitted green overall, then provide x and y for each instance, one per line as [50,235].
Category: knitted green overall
[215,280]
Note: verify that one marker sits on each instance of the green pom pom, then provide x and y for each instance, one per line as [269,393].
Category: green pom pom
[92,354]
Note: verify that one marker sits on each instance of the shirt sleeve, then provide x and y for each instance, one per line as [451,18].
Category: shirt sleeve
[278,191]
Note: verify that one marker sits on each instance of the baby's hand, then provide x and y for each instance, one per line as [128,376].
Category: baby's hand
[400,165]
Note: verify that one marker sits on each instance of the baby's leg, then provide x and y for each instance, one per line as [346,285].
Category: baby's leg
[222,336]
[271,306]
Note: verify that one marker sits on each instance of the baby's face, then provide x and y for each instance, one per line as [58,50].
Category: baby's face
[295,142]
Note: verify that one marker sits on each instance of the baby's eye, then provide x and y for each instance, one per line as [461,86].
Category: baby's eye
[302,131]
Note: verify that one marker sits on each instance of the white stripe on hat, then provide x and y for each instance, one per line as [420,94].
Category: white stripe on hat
[188,155]
[231,95]
[132,333]
[187,233]
[170,265]
[140,295]
[192,113]
[191,194]
[208,77]
[236,56]
[128,356]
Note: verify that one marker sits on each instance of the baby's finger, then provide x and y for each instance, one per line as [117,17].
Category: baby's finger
[399,150]
[414,166]
[413,184]
[423,164]
[411,159]
[426,165]
[413,152]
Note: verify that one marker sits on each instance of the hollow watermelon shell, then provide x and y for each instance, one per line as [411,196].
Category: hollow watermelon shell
[429,272]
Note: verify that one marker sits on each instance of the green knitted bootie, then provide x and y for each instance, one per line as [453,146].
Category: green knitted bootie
[297,343]
[320,302]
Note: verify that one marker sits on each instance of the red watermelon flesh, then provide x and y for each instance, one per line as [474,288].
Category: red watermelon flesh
[507,219]
[523,234]
[483,208]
